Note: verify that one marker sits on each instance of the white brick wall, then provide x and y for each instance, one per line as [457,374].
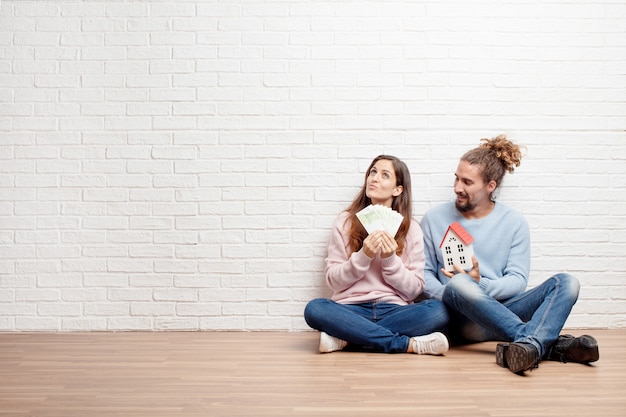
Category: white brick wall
[177,164]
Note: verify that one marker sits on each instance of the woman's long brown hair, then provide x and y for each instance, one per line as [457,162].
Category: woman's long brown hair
[402,204]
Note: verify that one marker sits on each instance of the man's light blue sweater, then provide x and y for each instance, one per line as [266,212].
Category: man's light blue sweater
[501,246]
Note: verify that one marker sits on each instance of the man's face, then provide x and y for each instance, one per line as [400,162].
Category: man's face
[472,193]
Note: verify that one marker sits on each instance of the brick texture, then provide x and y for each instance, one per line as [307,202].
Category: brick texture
[177,164]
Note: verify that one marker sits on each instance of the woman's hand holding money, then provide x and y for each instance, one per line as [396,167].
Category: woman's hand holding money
[379,241]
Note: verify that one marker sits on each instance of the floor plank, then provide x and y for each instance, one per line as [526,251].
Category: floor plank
[281,374]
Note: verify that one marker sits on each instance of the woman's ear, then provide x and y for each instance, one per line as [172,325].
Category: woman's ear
[398,190]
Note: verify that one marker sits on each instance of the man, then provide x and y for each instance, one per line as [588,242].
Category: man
[488,301]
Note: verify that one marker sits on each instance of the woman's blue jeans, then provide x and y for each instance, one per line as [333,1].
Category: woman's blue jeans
[380,327]
[535,316]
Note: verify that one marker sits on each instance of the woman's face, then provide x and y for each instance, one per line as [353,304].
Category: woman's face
[380,185]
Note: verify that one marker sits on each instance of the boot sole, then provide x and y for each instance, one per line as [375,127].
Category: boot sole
[519,358]
[501,350]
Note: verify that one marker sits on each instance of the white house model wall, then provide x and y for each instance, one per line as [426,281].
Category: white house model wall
[456,248]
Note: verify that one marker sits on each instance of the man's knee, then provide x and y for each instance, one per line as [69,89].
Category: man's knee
[460,286]
[569,283]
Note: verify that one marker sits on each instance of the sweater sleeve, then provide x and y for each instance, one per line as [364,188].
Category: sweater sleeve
[342,269]
[434,288]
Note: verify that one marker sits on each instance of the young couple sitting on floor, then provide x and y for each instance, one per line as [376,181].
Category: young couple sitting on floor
[395,294]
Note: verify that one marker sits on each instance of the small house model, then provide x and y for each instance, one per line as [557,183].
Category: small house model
[456,248]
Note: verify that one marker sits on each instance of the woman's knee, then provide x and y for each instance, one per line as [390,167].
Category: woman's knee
[314,310]
[439,313]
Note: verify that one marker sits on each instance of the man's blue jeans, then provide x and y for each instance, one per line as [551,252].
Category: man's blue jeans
[535,316]
[381,327]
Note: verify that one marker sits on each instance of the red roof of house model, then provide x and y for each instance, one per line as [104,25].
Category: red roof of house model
[460,232]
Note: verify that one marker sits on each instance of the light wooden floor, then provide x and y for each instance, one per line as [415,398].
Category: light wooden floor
[281,374]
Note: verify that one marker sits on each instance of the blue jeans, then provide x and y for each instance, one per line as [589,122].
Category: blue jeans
[381,327]
[535,316]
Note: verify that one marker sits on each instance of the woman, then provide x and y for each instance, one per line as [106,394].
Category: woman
[376,277]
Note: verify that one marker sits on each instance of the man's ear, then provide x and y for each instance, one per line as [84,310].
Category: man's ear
[491,186]
[398,190]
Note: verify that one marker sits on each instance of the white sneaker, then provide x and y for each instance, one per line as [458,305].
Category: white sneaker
[330,344]
[430,344]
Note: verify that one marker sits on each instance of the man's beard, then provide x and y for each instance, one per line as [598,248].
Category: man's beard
[464,208]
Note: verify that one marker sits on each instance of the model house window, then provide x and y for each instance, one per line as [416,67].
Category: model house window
[448,250]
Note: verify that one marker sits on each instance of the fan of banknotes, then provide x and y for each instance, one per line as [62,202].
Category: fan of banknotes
[378,217]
